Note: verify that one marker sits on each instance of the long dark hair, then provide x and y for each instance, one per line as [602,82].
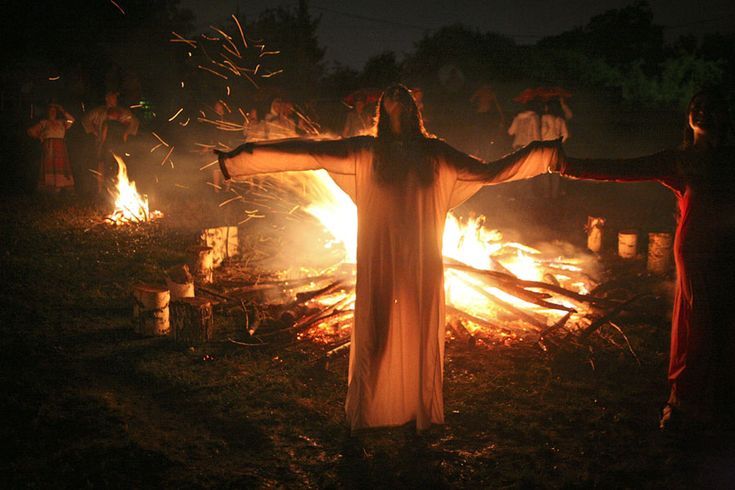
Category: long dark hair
[716,101]
[554,107]
[399,155]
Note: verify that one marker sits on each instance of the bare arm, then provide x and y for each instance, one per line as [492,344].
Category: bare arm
[92,120]
[131,124]
[336,156]
[564,107]
[535,159]
[661,166]
[35,131]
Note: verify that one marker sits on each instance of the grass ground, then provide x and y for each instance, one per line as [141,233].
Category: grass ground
[87,403]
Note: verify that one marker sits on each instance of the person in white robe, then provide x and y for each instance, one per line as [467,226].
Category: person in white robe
[403,182]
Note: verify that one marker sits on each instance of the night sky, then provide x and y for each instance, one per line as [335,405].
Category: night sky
[352,31]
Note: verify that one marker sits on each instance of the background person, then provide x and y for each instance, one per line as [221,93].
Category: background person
[56,172]
[702,176]
[111,125]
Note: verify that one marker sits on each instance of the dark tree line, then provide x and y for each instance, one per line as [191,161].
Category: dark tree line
[93,46]
[73,51]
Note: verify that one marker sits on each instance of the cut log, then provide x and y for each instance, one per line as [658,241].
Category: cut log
[203,264]
[628,244]
[191,320]
[150,309]
[180,282]
[224,242]
[659,252]
[594,233]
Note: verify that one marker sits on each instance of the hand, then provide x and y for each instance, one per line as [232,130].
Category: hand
[246,147]
[221,155]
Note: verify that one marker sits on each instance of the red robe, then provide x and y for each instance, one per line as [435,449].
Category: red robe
[702,361]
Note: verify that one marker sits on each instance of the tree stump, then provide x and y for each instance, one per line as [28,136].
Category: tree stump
[203,264]
[223,241]
[150,309]
[192,320]
[659,252]
[594,228]
[180,282]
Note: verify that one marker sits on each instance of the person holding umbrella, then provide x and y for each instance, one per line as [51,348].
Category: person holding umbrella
[526,125]
[359,120]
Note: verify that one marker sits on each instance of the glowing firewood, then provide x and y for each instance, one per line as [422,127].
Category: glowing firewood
[203,264]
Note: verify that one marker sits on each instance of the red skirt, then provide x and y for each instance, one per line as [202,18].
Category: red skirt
[55,166]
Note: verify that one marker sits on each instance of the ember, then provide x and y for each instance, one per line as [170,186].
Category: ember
[130,207]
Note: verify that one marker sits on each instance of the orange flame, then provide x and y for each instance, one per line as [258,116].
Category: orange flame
[467,241]
[130,206]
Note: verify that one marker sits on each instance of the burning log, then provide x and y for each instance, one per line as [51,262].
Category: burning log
[203,264]
[474,319]
[560,324]
[460,331]
[130,206]
[610,316]
[333,312]
[342,346]
[180,282]
[192,320]
[310,295]
[497,279]
[150,309]
[537,321]
[224,243]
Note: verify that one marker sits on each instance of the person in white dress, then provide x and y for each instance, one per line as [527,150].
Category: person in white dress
[526,126]
[56,171]
[403,182]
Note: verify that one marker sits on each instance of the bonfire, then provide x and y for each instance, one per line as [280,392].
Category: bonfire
[495,288]
[130,206]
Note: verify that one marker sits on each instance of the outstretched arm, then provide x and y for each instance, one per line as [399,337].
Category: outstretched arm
[535,159]
[336,156]
[661,166]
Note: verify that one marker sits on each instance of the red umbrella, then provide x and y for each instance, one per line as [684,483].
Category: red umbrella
[543,93]
[526,95]
[371,96]
[548,93]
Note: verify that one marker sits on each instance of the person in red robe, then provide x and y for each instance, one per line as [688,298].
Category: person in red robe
[403,182]
[702,176]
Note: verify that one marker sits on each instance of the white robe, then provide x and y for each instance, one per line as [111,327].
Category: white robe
[397,350]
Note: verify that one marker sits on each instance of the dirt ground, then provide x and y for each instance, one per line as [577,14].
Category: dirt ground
[88,403]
